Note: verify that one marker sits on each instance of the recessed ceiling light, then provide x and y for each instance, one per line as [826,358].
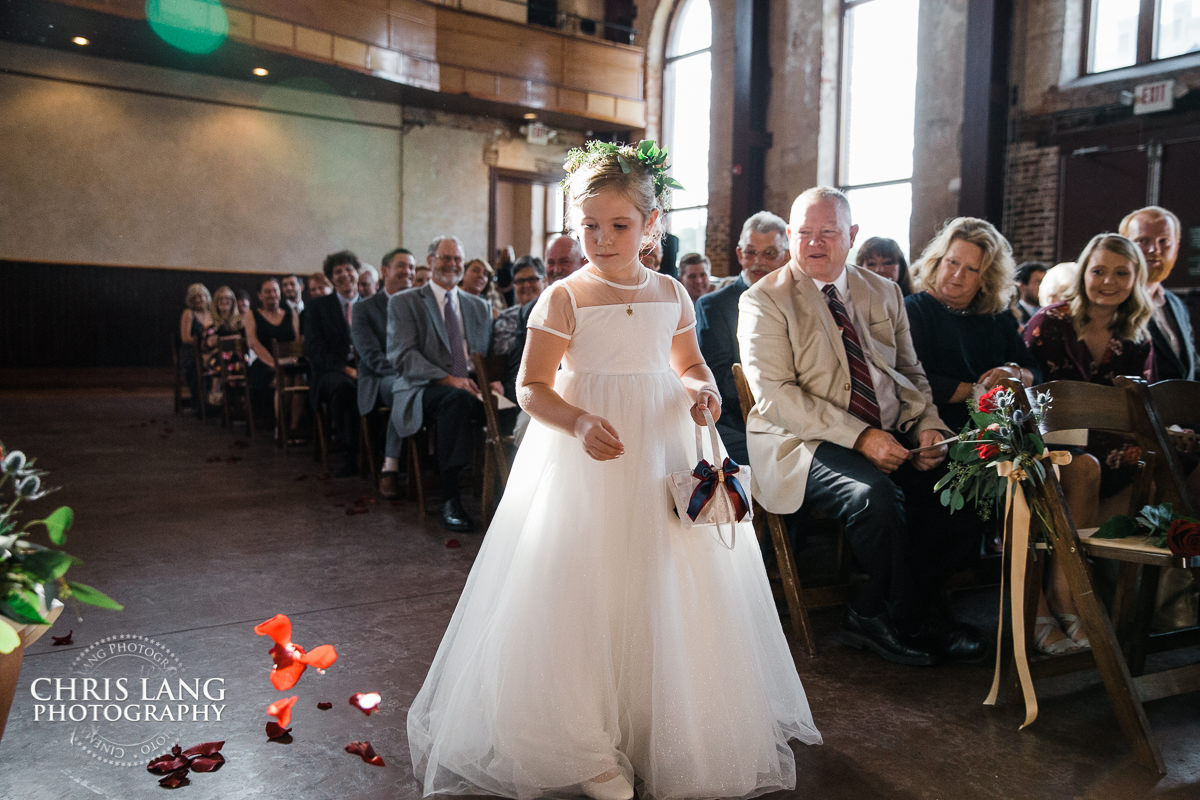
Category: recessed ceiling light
[261,72]
[81,41]
[530,115]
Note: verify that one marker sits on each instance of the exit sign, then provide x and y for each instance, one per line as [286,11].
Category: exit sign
[1151,97]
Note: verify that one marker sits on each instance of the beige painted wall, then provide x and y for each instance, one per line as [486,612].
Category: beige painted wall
[110,163]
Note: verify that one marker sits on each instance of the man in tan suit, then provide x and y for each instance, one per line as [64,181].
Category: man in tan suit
[841,399]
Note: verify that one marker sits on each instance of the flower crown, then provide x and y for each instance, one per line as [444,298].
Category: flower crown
[647,153]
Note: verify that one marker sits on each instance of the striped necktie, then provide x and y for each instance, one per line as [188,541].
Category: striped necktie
[862,390]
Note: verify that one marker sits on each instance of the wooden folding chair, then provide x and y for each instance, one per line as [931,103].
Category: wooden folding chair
[785,559]
[496,443]
[291,381]
[1076,405]
[177,367]
[234,383]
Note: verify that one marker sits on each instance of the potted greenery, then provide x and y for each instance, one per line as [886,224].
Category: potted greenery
[32,581]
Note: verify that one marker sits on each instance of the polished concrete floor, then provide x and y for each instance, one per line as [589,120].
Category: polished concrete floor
[202,535]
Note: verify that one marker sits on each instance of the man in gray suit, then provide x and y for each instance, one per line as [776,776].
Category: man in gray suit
[431,331]
[368,329]
[762,248]
[840,400]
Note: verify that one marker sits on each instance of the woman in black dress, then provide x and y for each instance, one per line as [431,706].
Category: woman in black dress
[267,324]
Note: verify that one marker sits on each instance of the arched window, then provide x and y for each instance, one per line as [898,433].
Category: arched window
[879,92]
[687,84]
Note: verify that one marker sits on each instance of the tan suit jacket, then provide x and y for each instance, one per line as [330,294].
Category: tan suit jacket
[796,366]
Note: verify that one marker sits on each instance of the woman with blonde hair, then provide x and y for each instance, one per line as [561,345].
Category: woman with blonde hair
[959,319]
[226,321]
[196,318]
[1098,333]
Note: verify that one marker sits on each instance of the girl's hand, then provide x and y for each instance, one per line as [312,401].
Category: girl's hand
[709,398]
[600,440]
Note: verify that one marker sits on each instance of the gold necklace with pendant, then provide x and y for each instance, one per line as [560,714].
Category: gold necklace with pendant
[636,289]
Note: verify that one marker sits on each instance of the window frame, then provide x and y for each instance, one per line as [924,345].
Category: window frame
[1148,15]
[668,100]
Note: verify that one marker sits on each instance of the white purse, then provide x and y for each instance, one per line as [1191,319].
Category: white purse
[708,495]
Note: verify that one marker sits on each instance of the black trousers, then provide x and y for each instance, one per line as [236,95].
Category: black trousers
[899,533]
[340,392]
[456,416]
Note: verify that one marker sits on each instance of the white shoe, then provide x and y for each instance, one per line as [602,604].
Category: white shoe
[611,785]
[1074,628]
[1043,627]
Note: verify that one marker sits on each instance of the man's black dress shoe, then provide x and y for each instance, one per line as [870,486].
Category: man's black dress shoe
[878,634]
[957,641]
[454,517]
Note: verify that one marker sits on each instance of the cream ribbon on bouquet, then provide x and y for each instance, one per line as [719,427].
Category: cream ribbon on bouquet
[1016,555]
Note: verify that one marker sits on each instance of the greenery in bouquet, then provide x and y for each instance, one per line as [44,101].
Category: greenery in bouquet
[1161,526]
[996,433]
[33,574]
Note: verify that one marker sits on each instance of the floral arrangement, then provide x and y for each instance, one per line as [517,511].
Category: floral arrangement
[32,576]
[995,434]
[646,152]
[1161,525]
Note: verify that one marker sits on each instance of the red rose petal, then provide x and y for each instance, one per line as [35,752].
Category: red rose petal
[275,731]
[204,749]
[453,543]
[324,706]
[282,710]
[366,702]
[208,763]
[352,511]
[167,763]
[57,640]
[366,752]
[175,780]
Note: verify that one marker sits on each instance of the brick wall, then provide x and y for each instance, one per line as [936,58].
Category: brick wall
[1031,201]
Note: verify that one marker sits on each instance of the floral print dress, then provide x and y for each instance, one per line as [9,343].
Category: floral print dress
[1063,356]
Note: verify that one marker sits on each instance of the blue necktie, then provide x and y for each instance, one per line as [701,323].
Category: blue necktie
[458,356]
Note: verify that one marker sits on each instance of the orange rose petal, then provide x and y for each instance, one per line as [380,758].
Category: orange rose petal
[282,710]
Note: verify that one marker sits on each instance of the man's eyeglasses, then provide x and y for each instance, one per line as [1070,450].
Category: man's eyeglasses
[770,254]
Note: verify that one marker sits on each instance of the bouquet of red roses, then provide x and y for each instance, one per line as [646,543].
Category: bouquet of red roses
[995,433]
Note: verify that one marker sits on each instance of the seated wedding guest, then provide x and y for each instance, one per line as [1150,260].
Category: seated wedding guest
[762,248]
[226,321]
[961,326]
[421,275]
[195,319]
[318,285]
[368,282]
[431,330]
[293,290]
[563,256]
[479,280]
[1156,232]
[529,279]
[885,258]
[376,374]
[695,273]
[1029,283]
[841,402]
[269,323]
[652,258]
[243,302]
[1100,332]
[1057,281]
[330,355]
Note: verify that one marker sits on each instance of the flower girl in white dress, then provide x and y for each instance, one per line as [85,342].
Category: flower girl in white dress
[599,644]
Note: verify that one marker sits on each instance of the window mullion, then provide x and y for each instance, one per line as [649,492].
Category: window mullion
[1145,31]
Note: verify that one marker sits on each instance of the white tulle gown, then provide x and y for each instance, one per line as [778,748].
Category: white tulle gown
[595,630]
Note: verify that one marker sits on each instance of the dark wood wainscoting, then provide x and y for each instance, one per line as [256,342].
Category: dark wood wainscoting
[71,316]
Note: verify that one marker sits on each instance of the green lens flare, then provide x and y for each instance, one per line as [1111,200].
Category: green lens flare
[194,26]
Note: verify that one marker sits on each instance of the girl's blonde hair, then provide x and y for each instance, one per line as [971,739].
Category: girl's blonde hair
[997,271]
[1133,316]
[601,167]
[231,321]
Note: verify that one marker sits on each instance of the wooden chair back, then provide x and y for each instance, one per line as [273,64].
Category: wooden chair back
[291,380]
[233,381]
[496,444]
